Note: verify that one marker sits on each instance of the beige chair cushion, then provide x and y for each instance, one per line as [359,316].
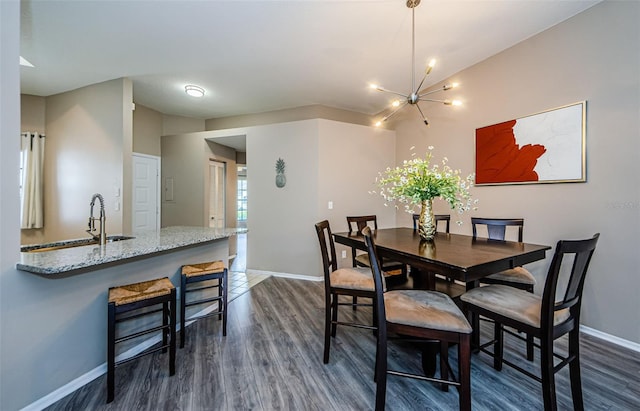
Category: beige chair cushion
[515,275]
[353,278]
[510,302]
[425,309]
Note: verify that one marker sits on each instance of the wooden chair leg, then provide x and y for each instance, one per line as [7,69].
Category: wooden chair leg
[225,284]
[166,315]
[381,370]
[574,370]
[183,310]
[334,314]
[111,342]
[220,290]
[530,347]
[327,329]
[547,373]
[172,333]
[464,371]
[498,347]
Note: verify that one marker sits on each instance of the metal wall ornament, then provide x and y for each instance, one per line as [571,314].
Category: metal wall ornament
[281,179]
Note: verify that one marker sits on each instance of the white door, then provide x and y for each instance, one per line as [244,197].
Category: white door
[217,185]
[146,193]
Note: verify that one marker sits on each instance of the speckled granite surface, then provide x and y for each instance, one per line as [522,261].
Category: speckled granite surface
[89,257]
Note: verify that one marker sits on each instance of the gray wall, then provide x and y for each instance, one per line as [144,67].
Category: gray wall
[185,160]
[179,124]
[147,129]
[594,56]
[323,163]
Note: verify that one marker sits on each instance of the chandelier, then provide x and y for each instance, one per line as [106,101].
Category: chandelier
[417,94]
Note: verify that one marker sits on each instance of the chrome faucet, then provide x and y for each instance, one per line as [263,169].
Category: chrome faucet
[102,237]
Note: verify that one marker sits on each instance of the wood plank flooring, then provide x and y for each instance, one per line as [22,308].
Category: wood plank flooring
[271,359]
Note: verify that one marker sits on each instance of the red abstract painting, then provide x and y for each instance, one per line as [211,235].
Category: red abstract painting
[499,159]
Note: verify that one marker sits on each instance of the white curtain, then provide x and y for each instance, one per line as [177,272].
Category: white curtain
[32,180]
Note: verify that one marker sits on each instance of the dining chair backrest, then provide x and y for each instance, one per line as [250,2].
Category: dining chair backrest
[379,283]
[581,252]
[497,227]
[438,217]
[327,249]
[360,222]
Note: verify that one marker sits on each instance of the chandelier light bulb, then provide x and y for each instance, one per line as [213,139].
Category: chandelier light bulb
[194,91]
[395,103]
[456,103]
[378,123]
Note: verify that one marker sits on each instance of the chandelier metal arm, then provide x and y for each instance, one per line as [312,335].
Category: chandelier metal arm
[424,118]
[426,73]
[423,93]
[416,93]
[445,102]
[404,96]
[400,107]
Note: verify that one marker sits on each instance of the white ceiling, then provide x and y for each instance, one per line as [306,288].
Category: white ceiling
[256,56]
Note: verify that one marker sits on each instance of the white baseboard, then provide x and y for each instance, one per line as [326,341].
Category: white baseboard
[286,275]
[611,338]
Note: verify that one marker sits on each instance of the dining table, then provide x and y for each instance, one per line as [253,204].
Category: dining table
[462,258]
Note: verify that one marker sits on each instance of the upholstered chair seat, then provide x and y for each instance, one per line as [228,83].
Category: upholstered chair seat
[425,309]
[518,275]
[353,279]
[512,303]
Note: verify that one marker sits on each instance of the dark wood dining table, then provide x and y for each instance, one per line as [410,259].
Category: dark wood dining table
[455,256]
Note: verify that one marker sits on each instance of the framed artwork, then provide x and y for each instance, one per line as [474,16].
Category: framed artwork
[547,147]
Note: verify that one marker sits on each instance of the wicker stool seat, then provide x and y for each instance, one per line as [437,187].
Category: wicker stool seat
[129,299]
[196,273]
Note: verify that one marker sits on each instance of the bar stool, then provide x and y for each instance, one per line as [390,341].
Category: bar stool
[133,297]
[195,273]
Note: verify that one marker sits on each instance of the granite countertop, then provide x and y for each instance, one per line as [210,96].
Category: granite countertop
[91,257]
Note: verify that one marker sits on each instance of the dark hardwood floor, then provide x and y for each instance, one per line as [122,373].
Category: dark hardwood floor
[271,359]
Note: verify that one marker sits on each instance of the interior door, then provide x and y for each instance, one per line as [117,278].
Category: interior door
[146,201]
[217,188]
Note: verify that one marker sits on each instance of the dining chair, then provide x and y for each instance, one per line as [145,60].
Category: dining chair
[518,277]
[543,317]
[354,282]
[438,217]
[421,315]
[356,224]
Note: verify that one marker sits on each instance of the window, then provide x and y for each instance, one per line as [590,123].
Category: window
[242,198]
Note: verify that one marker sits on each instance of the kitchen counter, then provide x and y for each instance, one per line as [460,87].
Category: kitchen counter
[76,260]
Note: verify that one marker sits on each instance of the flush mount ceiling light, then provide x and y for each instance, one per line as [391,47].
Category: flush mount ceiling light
[194,91]
[417,94]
